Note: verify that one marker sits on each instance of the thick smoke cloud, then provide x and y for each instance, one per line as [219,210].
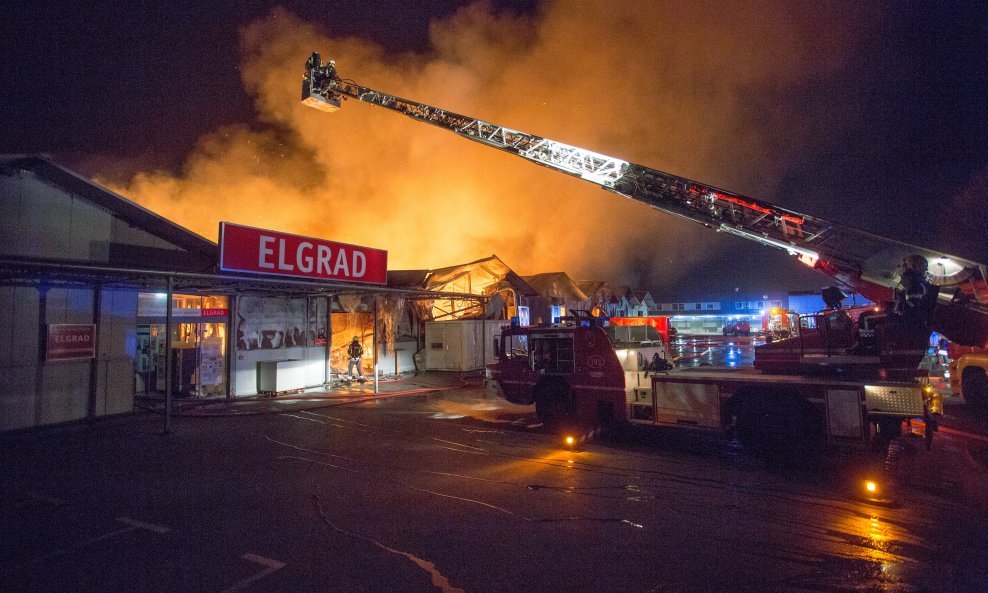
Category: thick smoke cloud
[695,89]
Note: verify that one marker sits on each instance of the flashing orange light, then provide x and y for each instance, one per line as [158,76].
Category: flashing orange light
[570,440]
[871,487]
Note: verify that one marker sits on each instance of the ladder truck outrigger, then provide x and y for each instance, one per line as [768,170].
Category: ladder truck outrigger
[840,377]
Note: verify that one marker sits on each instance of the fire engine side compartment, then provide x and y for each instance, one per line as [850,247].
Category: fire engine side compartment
[707,399]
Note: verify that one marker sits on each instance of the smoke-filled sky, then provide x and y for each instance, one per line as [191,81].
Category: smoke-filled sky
[870,114]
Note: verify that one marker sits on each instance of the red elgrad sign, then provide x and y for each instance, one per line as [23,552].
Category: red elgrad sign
[258,251]
[71,341]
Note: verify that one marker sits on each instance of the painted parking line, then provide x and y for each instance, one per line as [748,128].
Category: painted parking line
[269,567]
[32,497]
[131,525]
[134,523]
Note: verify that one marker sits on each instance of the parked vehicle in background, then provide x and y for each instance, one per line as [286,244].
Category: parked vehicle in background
[968,371]
[741,327]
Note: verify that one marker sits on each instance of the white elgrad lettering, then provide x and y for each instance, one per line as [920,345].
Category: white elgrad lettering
[359,264]
[265,250]
[323,254]
[341,263]
[282,264]
[304,262]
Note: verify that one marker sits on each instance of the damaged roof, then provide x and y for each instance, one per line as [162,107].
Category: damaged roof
[556,285]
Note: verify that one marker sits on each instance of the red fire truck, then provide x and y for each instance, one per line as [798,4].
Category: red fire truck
[839,377]
[578,373]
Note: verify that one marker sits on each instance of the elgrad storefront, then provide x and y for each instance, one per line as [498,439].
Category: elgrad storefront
[102,300]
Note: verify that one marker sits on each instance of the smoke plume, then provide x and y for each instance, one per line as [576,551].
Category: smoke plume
[695,89]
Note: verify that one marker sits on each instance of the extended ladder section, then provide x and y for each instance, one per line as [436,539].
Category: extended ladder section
[860,261]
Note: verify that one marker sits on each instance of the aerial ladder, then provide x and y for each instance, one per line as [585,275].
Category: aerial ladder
[858,261]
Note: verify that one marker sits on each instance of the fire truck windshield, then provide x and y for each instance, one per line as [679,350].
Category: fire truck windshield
[515,346]
[629,336]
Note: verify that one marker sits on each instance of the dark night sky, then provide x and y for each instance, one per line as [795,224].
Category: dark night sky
[905,155]
[147,79]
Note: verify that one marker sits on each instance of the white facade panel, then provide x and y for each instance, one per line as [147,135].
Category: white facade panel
[117,346]
[17,409]
[315,368]
[70,305]
[18,325]
[65,386]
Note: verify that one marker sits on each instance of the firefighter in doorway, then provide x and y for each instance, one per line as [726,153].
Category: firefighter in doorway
[355,350]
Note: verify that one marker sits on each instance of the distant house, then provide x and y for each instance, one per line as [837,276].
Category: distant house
[600,296]
[646,303]
[558,296]
[632,303]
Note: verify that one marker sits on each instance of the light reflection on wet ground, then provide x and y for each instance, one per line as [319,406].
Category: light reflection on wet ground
[461,491]
[799,520]
[692,351]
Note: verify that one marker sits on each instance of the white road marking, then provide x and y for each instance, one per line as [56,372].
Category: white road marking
[304,418]
[142,525]
[132,525]
[269,567]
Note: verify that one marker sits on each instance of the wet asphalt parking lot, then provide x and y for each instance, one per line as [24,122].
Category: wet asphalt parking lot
[458,491]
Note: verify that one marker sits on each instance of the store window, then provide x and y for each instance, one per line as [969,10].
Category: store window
[199,344]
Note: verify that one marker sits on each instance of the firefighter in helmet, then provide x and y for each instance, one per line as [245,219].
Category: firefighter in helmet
[915,295]
[355,350]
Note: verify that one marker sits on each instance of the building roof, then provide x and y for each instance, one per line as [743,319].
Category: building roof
[593,288]
[407,278]
[473,277]
[556,285]
[202,253]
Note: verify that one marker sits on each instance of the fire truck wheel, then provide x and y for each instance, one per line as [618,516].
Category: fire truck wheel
[555,405]
[974,386]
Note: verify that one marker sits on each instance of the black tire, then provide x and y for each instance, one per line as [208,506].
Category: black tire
[974,385]
[555,405]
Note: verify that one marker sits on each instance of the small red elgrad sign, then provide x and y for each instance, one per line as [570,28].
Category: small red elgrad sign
[258,251]
[71,341]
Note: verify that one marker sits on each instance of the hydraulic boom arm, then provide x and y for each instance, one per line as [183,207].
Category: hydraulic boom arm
[860,261]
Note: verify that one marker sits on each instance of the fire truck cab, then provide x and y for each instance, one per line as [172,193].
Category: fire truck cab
[577,373]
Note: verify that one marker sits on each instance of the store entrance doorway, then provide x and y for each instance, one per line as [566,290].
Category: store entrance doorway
[198,359]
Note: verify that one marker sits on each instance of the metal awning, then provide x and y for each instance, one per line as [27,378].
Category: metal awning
[33,272]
